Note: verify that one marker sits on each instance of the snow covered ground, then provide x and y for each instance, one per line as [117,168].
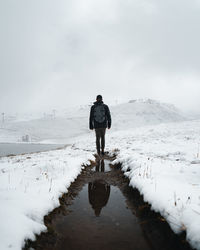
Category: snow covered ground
[72,123]
[163,163]
[30,187]
[162,160]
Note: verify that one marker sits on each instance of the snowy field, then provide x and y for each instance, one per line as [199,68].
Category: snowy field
[162,160]
[66,125]
[30,188]
[163,163]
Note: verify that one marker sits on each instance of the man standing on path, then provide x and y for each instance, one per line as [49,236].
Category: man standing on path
[100,119]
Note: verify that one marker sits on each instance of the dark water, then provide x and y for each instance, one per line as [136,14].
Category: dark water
[101,211]
[100,221]
[22,148]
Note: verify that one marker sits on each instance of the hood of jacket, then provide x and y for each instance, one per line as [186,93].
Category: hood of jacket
[98,103]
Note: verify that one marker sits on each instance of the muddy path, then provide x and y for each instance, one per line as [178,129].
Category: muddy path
[101,211]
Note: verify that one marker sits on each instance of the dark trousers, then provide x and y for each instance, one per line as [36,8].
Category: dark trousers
[100,139]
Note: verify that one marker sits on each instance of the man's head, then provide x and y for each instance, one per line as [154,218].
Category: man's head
[99,98]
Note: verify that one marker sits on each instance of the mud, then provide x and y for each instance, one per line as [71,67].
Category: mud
[101,211]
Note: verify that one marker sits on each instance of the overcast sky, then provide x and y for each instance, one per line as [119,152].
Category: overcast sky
[55,54]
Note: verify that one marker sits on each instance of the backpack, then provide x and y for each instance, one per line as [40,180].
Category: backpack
[99,113]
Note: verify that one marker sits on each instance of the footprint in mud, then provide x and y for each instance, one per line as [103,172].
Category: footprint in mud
[101,211]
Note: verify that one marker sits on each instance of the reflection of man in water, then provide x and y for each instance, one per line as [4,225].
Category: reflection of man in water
[98,191]
[100,165]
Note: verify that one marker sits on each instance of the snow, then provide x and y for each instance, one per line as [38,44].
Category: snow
[74,122]
[163,163]
[158,149]
[144,112]
[31,185]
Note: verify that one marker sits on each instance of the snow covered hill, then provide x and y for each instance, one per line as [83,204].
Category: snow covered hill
[141,112]
[64,127]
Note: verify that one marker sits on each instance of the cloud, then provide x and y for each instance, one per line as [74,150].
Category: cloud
[56,54]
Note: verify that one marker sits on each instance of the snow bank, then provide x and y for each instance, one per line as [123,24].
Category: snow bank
[31,185]
[163,163]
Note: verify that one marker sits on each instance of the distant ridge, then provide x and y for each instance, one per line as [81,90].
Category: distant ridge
[151,101]
[141,112]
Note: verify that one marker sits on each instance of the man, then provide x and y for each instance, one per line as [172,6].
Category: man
[100,119]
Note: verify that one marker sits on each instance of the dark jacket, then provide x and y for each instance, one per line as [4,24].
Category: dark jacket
[93,124]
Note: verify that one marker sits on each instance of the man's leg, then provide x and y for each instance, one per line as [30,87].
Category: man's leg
[103,131]
[98,135]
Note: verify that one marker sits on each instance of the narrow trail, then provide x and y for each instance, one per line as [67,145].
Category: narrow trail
[101,211]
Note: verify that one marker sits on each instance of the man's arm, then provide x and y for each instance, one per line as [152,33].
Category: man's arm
[108,116]
[91,126]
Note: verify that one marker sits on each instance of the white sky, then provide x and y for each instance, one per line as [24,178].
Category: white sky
[55,54]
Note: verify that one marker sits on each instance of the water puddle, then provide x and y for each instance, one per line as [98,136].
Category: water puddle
[101,211]
[102,165]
